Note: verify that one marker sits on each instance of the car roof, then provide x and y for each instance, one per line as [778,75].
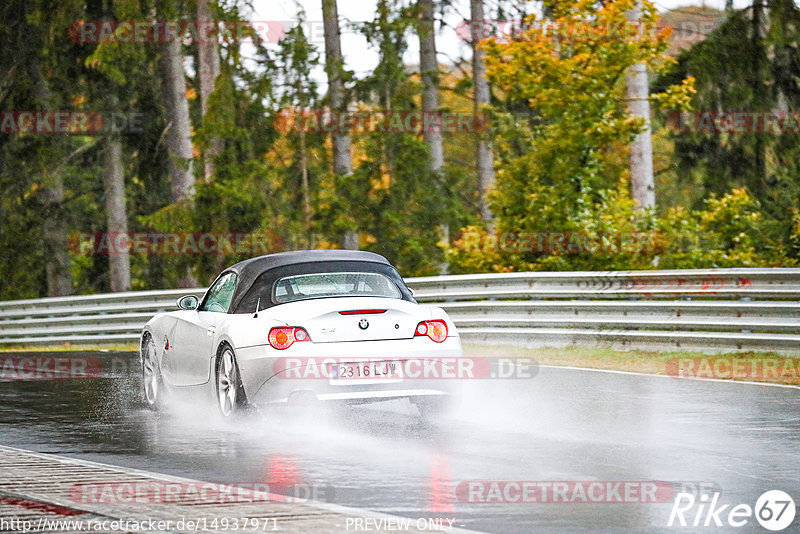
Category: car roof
[252,268]
[249,271]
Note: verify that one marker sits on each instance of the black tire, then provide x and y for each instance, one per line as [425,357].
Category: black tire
[152,391]
[231,400]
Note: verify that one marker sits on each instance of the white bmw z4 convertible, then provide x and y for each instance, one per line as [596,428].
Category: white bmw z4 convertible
[324,325]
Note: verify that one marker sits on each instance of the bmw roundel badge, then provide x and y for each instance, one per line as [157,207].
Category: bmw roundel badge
[363,324]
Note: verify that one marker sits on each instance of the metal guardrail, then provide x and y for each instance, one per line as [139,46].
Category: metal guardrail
[725,309]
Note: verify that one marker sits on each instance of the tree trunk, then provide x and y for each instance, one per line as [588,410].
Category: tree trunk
[208,72]
[759,102]
[643,189]
[429,71]
[51,195]
[178,138]
[334,68]
[54,237]
[305,186]
[116,215]
[485,157]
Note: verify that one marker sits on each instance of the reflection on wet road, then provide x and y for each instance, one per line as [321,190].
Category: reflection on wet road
[562,425]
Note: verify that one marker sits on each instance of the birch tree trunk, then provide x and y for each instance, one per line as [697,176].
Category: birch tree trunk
[178,137]
[643,189]
[485,157]
[334,68]
[208,72]
[116,215]
[429,71]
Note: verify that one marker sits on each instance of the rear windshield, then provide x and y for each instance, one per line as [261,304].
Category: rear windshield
[268,288]
[336,284]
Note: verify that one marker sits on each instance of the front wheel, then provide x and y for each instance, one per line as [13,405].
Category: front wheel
[230,394]
[151,374]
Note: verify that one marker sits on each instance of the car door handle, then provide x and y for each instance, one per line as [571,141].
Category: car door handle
[211,331]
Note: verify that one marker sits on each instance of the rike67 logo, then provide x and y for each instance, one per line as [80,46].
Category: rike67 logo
[774,510]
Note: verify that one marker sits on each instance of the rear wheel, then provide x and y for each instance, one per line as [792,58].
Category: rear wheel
[151,374]
[230,394]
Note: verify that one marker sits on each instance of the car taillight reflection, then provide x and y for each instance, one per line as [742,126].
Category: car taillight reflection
[283,337]
[436,330]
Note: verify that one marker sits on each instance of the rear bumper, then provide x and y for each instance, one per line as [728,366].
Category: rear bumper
[266,380]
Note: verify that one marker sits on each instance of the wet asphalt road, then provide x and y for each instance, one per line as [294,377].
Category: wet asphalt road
[562,425]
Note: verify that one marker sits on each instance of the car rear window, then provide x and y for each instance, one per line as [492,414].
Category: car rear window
[323,285]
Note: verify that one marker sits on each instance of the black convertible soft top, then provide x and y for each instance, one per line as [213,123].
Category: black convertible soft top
[252,268]
[256,276]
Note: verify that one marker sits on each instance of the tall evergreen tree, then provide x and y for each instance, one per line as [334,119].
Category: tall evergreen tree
[298,57]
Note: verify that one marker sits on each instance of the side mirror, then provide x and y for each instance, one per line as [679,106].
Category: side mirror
[413,294]
[189,302]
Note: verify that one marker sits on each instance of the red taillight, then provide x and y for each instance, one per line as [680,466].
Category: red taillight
[436,330]
[362,312]
[283,337]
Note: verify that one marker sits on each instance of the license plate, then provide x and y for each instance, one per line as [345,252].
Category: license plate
[364,372]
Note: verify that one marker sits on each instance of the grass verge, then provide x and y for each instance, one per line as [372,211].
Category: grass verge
[68,348]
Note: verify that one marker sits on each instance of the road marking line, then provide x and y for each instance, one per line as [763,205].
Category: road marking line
[611,371]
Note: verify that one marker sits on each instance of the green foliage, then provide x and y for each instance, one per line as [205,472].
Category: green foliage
[731,231]
[558,163]
[560,140]
[738,70]
[400,205]
[560,130]
[561,134]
